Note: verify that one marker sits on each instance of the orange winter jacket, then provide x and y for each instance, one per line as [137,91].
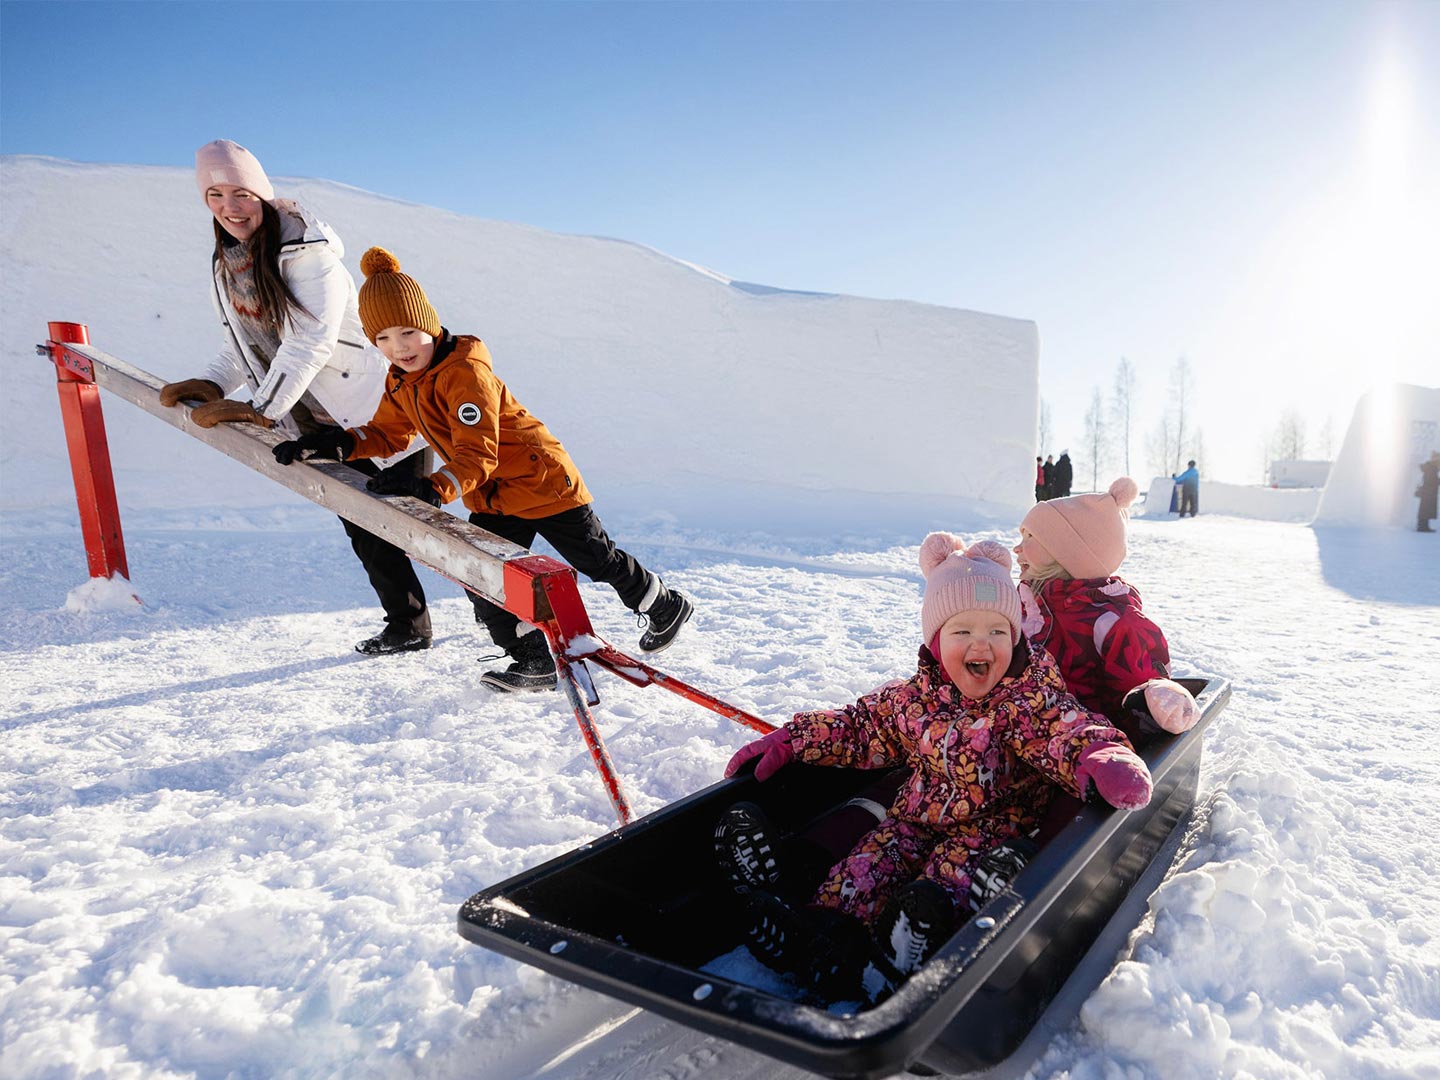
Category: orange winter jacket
[498,458]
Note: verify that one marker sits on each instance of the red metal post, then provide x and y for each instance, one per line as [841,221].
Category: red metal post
[89,452]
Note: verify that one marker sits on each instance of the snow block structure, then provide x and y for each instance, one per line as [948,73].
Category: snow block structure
[676,389]
[1373,481]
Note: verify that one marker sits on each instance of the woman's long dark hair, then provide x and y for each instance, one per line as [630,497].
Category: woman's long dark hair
[279,302]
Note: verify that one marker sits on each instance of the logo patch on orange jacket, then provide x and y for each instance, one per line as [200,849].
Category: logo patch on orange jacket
[468,414]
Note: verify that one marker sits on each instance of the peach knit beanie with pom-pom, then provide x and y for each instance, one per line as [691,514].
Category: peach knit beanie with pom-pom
[1085,533]
[958,579]
[389,298]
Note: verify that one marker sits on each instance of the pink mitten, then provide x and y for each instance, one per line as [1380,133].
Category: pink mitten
[1117,772]
[1171,705]
[774,752]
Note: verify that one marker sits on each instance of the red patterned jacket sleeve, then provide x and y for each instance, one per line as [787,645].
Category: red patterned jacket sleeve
[1053,729]
[1135,651]
[860,736]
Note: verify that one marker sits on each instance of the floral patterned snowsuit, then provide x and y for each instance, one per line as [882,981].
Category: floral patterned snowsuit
[983,772]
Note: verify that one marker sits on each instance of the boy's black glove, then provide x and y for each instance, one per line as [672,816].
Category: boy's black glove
[331,443]
[401,480]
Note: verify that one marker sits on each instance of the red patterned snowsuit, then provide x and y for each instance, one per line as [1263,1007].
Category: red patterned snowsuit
[1102,641]
[982,772]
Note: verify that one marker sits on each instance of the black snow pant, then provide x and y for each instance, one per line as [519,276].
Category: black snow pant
[582,542]
[391,575]
[1189,499]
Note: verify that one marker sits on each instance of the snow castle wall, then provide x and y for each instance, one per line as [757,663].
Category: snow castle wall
[676,390]
[1373,481]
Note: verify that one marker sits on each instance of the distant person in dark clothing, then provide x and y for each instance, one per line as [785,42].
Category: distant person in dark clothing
[1048,469]
[1429,485]
[1064,476]
[1039,479]
[1189,482]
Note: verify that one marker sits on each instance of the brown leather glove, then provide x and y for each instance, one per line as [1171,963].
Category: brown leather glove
[201,390]
[226,411]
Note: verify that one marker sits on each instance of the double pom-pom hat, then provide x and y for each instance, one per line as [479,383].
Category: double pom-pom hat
[1085,533]
[960,578]
[389,298]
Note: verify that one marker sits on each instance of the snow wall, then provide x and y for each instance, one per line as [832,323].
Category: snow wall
[1235,500]
[1373,481]
[677,390]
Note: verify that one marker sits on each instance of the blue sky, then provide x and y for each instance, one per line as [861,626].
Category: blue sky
[1245,184]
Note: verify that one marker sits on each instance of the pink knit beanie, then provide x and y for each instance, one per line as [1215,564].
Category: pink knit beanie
[966,579]
[1085,533]
[226,162]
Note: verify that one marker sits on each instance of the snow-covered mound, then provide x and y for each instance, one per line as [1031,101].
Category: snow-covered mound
[677,390]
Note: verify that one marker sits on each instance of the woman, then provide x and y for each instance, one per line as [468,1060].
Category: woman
[292,338]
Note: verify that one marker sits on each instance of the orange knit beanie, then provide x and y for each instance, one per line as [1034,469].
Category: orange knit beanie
[389,298]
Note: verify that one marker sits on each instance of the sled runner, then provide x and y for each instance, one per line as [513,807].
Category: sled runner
[644,915]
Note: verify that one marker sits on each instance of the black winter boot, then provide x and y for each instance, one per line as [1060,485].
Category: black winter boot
[533,667]
[390,641]
[918,921]
[745,843]
[997,868]
[825,951]
[663,619]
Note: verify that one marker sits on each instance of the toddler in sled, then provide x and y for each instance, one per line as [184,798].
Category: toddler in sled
[1114,660]
[987,730]
[514,476]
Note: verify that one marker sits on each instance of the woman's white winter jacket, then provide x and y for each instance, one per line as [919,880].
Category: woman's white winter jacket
[326,355]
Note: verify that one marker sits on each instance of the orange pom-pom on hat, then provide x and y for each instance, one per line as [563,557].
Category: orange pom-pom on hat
[389,298]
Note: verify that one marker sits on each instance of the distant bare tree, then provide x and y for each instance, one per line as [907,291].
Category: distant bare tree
[1174,433]
[1327,439]
[1196,449]
[1096,437]
[1042,449]
[1122,410]
[1182,398]
[1157,445]
[1287,442]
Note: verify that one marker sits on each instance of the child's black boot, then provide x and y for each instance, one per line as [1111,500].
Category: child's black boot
[997,868]
[918,921]
[745,847]
[663,618]
[824,951]
[533,667]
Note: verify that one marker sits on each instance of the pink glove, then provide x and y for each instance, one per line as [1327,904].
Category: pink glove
[1117,772]
[774,752]
[1171,705]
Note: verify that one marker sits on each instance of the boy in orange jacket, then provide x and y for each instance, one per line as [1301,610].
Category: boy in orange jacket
[513,475]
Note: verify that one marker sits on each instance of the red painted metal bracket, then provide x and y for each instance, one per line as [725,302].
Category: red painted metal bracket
[543,591]
[89,451]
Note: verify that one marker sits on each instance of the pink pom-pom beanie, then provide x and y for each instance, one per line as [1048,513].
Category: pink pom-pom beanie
[965,579]
[226,162]
[1085,533]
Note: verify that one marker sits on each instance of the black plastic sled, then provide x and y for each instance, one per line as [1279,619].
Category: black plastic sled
[639,912]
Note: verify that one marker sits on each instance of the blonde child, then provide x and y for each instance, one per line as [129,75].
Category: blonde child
[1115,659]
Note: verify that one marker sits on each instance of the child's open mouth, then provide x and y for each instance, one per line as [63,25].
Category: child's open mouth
[978,668]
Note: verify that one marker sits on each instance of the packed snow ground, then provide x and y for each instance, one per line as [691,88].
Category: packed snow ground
[230,846]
